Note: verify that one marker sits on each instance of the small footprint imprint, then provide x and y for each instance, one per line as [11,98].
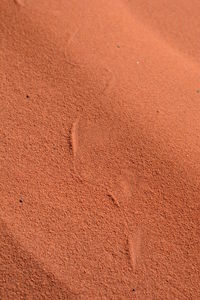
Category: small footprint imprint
[109,82]
[128,183]
[134,242]
[74,138]
[68,44]
[113,199]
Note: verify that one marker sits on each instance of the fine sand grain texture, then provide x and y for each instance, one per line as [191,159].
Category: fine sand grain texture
[99,149]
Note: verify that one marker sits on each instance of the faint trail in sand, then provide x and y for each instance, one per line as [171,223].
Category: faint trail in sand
[19,2]
[70,40]
[73,144]
[72,36]
[113,199]
[73,139]
[104,188]
[134,249]
[109,82]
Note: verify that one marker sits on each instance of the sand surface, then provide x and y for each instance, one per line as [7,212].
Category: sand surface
[99,149]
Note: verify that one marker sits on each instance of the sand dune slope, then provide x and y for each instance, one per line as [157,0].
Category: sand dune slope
[99,150]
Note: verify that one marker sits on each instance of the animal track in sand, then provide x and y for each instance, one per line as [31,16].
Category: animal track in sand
[87,138]
[19,2]
[114,199]
[134,242]
[72,36]
[109,82]
[128,178]
[73,138]
[132,183]
[73,145]
[128,182]
[69,42]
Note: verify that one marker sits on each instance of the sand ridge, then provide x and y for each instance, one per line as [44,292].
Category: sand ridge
[99,150]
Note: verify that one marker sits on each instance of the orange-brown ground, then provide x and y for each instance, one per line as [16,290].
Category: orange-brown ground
[99,149]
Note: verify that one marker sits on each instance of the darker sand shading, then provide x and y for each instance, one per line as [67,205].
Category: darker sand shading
[22,277]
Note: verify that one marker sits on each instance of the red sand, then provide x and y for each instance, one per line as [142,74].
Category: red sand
[100,149]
